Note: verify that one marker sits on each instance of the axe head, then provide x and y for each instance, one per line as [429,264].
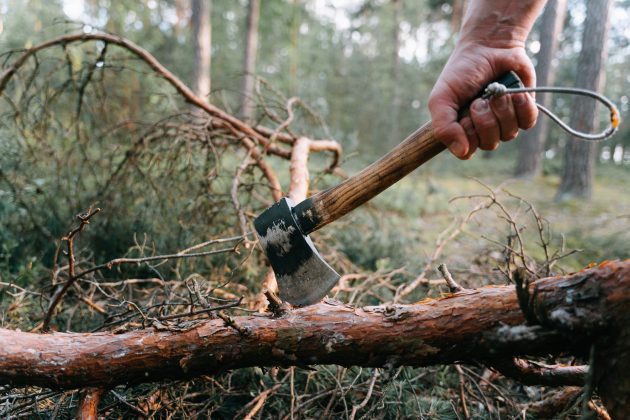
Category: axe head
[303,276]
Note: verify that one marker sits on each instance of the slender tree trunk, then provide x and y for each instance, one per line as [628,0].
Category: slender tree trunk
[531,145]
[579,156]
[293,47]
[202,39]
[395,72]
[180,13]
[249,66]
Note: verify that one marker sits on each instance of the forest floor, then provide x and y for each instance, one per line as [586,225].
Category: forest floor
[395,238]
[409,217]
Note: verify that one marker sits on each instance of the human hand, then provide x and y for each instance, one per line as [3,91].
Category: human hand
[492,42]
[470,67]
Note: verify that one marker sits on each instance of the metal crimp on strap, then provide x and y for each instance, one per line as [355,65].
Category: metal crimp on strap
[497,89]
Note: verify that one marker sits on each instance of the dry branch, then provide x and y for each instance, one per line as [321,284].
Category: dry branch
[88,406]
[483,325]
[527,373]
[555,403]
[84,220]
[258,141]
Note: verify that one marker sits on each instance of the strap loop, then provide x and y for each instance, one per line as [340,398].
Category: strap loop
[497,89]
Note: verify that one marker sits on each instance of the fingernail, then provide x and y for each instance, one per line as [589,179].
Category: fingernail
[519,99]
[481,105]
[457,149]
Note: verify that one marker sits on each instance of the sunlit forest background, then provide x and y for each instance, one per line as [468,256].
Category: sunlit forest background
[88,125]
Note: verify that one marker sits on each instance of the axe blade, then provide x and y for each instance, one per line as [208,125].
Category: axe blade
[303,276]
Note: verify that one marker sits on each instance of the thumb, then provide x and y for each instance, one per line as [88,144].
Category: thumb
[446,128]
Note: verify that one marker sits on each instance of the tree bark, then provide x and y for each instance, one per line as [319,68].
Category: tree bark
[249,64]
[579,156]
[202,40]
[574,312]
[531,145]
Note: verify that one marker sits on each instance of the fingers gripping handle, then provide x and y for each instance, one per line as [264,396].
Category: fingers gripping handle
[333,203]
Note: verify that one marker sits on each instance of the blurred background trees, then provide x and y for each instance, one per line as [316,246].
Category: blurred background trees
[249,61]
[577,174]
[202,44]
[531,144]
[334,54]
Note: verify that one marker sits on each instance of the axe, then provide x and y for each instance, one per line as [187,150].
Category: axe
[303,276]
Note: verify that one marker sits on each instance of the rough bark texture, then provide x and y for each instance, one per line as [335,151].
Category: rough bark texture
[531,145]
[202,38]
[486,324]
[577,174]
[249,63]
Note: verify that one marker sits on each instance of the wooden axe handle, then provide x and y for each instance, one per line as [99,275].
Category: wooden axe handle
[329,205]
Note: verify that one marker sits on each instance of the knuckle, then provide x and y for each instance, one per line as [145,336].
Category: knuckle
[485,123]
[488,146]
[529,123]
[510,136]
[431,103]
[440,131]
[500,105]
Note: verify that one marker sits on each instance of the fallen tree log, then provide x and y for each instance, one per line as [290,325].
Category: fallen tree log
[573,313]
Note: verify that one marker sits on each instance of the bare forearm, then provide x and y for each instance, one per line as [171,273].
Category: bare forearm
[500,23]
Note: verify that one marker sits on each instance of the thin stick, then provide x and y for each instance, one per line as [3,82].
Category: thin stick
[355,408]
[259,401]
[452,285]
[462,391]
[88,407]
[84,221]
[200,311]
[118,261]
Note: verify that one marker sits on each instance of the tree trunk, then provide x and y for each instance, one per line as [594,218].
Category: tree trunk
[575,312]
[579,156]
[531,145]
[395,72]
[293,46]
[180,13]
[249,65]
[202,40]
